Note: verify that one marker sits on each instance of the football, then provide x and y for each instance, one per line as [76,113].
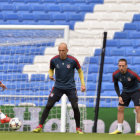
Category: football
[15,124]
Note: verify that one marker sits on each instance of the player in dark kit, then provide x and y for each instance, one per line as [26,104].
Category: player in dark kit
[64,66]
[131,91]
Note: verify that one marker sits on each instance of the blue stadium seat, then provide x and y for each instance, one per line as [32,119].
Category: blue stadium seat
[24,86]
[109,93]
[10,85]
[109,60]
[92,78]
[95,1]
[86,60]
[104,104]
[78,1]
[9,91]
[136,43]
[54,8]
[59,16]
[28,16]
[24,51]
[75,17]
[107,77]
[60,22]
[125,43]
[18,1]
[92,60]
[85,8]
[69,8]
[53,2]
[4,52]
[20,77]
[97,52]
[1,17]
[134,35]
[91,93]
[39,85]
[91,86]
[16,59]
[93,68]
[4,59]
[117,52]
[23,7]
[133,52]
[130,27]
[89,104]
[136,60]
[109,68]
[32,1]
[8,101]
[107,86]
[136,17]
[112,43]
[7,7]
[42,92]
[38,8]
[24,92]
[5,1]
[90,100]
[14,77]
[45,17]
[138,26]
[121,35]
[135,68]
[109,104]
[11,68]
[25,59]
[38,77]
[108,100]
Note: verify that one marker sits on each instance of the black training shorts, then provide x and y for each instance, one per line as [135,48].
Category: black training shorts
[127,97]
[56,94]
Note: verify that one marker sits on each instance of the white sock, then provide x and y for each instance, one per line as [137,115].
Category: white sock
[120,125]
[138,126]
[2,116]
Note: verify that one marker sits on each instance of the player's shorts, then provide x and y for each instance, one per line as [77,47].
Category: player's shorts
[127,97]
[56,94]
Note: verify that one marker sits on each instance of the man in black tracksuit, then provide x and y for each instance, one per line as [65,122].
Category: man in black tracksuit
[131,91]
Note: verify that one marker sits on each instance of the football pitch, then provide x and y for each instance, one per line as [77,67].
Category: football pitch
[64,136]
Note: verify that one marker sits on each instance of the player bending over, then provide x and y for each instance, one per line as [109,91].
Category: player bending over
[64,66]
[131,91]
[3,118]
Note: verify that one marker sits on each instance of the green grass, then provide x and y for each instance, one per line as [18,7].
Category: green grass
[64,136]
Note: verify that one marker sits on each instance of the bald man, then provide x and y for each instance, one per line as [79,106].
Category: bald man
[64,66]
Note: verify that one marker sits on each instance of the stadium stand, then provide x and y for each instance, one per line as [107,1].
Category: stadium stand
[116,17]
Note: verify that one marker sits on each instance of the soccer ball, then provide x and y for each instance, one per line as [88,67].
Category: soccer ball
[15,124]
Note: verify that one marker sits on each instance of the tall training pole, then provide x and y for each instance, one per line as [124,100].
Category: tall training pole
[99,83]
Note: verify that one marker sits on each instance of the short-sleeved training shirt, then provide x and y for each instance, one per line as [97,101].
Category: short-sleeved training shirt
[64,71]
[130,80]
